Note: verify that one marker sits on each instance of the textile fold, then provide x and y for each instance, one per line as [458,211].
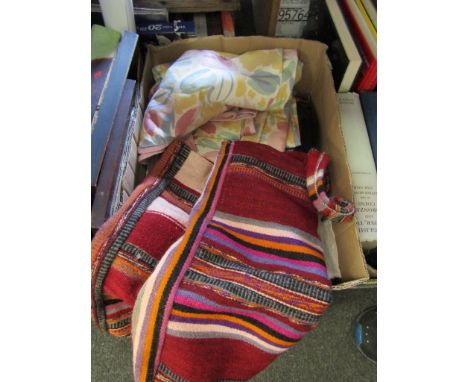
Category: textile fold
[201,86]
[130,244]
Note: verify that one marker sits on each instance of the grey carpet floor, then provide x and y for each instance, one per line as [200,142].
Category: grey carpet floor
[326,354]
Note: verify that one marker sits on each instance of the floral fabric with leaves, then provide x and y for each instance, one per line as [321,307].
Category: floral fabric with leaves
[207,97]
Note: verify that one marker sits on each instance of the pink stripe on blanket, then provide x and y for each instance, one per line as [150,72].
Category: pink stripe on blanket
[304,265]
[183,300]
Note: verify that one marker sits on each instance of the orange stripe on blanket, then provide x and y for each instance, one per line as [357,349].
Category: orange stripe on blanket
[225,317]
[129,268]
[173,262]
[289,298]
[272,244]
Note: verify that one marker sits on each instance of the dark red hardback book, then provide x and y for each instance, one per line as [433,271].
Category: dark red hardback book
[367,80]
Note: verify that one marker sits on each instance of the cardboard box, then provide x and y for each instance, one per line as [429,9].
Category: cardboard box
[317,83]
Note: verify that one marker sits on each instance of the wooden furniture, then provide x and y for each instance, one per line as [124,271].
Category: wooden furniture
[266,15]
[177,6]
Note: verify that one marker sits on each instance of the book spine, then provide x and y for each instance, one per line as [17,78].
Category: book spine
[362,166]
[371,11]
[343,42]
[364,30]
[118,15]
[366,18]
[227,23]
[359,34]
[103,120]
[100,210]
[213,23]
[201,28]
[367,79]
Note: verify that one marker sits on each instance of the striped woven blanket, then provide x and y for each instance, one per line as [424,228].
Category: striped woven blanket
[247,280]
[127,248]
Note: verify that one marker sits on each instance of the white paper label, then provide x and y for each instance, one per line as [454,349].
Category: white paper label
[292,18]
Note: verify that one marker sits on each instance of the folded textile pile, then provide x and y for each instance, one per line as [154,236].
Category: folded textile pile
[192,94]
[246,281]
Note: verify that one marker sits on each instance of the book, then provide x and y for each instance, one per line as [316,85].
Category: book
[367,19]
[154,14]
[201,27]
[342,51]
[118,15]
[369,108]
[227,22]
[362,166]
[102,201]
[213,23]
[145,18]
[359,18]
[367,78]
[371,11]
[178,26]
[103,119]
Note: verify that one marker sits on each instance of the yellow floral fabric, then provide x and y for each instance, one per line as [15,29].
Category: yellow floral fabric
[202,85]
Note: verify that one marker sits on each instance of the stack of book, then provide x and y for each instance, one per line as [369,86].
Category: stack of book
[178,26]
[349,28]
[160,25]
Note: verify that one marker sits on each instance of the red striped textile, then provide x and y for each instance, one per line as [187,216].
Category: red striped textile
[245,282]
[333,208]
[128,247]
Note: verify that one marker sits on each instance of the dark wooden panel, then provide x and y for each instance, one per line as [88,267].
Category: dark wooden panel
[266,15]
[188,5]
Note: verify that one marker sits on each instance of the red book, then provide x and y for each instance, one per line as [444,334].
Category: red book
[368,78]
[227,23]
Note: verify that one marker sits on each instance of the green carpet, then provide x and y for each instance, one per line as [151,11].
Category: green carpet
[326,354]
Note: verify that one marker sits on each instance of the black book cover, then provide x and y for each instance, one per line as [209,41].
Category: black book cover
[328,34]
[213,23]
[369,109]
